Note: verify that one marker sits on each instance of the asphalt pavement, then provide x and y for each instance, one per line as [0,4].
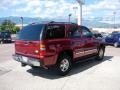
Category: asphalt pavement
[89,75]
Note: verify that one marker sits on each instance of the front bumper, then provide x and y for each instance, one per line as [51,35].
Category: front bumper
[27,60]
[5,39]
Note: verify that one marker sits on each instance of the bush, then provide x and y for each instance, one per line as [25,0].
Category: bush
[8,25]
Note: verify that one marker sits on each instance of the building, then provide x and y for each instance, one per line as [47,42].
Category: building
[105,30]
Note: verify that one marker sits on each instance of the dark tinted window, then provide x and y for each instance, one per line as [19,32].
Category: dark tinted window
[86,32]
[55,31]
[31,32]
[74,32]
[5,34]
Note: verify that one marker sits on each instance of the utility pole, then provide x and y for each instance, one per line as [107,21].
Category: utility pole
[7,22]
[69,17]
[75,9]
[114,15]
[22,21]
[80,2]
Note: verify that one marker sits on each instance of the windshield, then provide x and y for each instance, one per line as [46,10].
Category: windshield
[31,33]
[5,34]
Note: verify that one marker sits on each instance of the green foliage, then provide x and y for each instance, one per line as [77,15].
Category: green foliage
[8,25]
[16,29]
[0,29]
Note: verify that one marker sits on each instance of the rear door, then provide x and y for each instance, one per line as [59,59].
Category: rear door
[91,43]
[28,40]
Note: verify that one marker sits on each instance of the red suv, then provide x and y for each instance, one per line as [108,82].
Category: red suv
[56,44]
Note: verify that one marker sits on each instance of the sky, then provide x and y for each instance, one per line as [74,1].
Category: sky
[92,9]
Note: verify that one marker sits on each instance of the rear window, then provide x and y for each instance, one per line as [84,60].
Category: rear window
[31,33]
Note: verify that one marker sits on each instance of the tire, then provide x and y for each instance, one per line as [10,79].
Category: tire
[100,55]
[64,65]
[2,42]
[116,44]
[34,67]
[23,64]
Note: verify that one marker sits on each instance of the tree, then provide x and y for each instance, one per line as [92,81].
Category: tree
[8,25]
[16,29]
[0,28]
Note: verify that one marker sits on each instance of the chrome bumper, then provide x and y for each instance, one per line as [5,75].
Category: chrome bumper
[27,60]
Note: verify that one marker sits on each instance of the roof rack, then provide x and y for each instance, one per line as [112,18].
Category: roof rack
[50,22]
[62,22]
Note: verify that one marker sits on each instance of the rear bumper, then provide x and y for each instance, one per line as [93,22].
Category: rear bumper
[27,60]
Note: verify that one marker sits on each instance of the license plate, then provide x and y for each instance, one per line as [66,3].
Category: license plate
[25,59]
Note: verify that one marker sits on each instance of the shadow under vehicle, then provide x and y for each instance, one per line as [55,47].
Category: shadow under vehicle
[78,68]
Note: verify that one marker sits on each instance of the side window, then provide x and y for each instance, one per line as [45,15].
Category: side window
[55,31]
[86,32]
[74,32]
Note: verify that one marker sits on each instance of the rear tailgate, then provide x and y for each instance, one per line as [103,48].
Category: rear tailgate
[27,48]
[28,40]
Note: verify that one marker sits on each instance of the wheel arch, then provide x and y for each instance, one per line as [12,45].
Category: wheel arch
[102,46]
[66,52]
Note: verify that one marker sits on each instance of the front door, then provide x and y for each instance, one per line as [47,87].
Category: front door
[76,42]
[90,46]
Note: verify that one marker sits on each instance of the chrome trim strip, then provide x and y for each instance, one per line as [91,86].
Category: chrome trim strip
[94,50]
[80,52]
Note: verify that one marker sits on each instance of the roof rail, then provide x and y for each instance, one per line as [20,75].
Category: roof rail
[63,22]
[48,22]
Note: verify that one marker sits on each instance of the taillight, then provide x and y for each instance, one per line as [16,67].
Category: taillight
[42,50]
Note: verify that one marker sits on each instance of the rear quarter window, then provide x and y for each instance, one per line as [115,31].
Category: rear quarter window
[55,31]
